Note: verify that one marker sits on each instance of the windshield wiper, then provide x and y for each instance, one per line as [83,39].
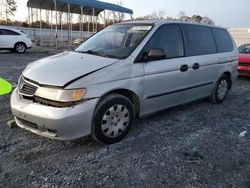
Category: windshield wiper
[112,56]
[98,54]
[93,53]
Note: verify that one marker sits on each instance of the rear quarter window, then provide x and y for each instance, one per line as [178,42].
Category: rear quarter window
[199,40]
[223,40]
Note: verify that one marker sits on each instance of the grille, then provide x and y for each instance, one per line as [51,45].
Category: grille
[244,64]
[26,88]
[28,123]
[244,72]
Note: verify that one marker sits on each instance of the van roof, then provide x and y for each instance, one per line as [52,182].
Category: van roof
[160,22]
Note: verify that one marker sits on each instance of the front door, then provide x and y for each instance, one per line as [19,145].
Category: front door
[165,79]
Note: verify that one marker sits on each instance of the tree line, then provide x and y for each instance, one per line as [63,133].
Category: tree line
[7,10]
[162,15]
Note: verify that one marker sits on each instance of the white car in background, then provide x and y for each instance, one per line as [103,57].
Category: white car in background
[14,40]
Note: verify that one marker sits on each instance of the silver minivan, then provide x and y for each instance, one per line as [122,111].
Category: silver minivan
[125,71]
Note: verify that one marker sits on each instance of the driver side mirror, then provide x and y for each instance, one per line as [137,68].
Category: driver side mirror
[155,54]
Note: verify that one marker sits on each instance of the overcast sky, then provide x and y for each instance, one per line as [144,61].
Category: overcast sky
[227,13]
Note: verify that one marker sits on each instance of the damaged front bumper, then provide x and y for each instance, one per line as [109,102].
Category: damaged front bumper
[57,123]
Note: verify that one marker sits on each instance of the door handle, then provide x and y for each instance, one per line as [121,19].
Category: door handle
[196,66]
[184,68]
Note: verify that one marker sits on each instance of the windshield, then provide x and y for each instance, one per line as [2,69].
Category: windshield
[117,41]
[244,49]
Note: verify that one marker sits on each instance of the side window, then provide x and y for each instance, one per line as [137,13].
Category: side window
[1,32]
[223,40]
[169,38]
[199,40]
[9,32]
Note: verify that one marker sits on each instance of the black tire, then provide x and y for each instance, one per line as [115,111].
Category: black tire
[20,47]
[220,90]
[105,121]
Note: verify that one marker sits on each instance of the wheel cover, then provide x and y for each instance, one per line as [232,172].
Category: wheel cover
[115,121]
[222,89]
[20,48]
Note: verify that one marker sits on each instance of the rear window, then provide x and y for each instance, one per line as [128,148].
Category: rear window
[223,40]
[199,40]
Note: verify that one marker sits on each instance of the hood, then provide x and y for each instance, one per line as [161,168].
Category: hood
[58,70]
[244,58]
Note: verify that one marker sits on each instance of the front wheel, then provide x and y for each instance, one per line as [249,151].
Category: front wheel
[113,118]
[220,90]
[20,47]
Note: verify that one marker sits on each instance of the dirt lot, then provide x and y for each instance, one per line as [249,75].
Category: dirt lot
[194,145]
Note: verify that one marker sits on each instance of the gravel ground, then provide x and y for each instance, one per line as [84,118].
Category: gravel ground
[193,145]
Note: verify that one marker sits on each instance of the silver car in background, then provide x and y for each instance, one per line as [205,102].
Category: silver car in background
[125,71]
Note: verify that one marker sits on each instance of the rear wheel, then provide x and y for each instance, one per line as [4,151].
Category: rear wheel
[113,118]
[20,47]
[220,90]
